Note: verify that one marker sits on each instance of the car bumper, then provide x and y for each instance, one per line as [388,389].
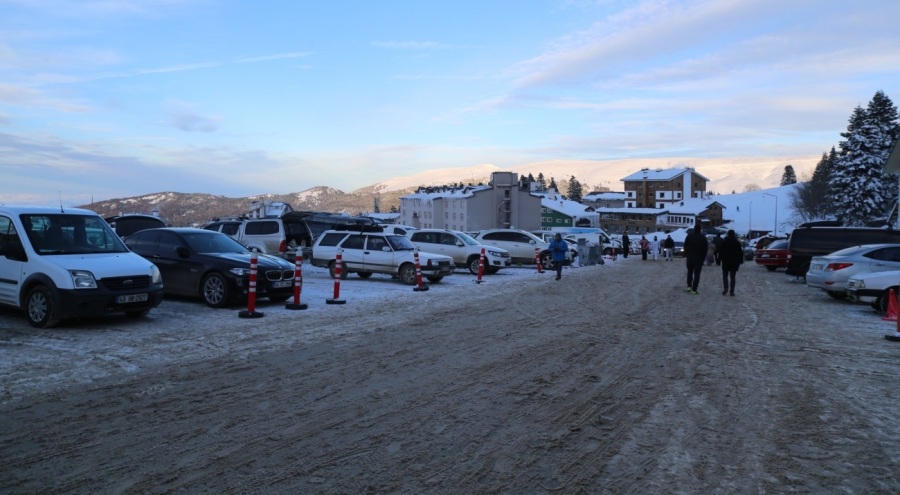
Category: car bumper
[80,303]
[863,295]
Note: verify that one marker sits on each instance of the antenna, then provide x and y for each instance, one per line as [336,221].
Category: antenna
[60,201]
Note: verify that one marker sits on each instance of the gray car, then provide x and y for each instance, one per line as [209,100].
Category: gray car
[831,272]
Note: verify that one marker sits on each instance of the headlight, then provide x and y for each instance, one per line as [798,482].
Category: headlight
[497,254]
[155,276]
[83,279]
[860,284]
[240,272]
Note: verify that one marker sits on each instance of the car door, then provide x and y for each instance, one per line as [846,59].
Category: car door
[884,259]
[12,262]
[352,255]
[378,255]
[180,275]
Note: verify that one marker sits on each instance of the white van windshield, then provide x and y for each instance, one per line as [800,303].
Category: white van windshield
[52,234]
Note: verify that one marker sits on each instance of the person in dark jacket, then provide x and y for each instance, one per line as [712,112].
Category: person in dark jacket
[558,248]
[695,247]
[669,247]
[717,240]
[732,255]
[626,244]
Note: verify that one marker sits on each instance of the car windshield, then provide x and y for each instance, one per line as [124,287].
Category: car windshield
[777,245]
[213,242]
[401,243]
[467,239]
[52,234]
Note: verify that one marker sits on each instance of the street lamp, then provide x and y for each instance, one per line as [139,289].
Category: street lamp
[776,212]
[750,222]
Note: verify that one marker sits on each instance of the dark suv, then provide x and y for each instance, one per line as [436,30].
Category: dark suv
[806,242]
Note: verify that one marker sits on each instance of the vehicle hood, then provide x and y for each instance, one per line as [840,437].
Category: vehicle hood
[243,259]
[436,258]
[104,265]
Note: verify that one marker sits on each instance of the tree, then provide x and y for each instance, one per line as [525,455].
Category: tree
[855,183]
[810,199]
[541,181]
[751,188]
[882,117]
[376,204]
[575,191]
[553,185]
[789,176]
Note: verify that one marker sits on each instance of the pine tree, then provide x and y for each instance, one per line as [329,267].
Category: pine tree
[541,181]
[855,182]
[553,185]
[810,199]
[376,204]
[789,176]
[882,116]
[575,190]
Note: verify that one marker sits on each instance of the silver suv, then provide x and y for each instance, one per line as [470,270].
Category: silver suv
[465,251]
[520,244]
[365,251]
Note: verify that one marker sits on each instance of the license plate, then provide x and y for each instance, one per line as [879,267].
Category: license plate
[281,284]
[816,267]
[764,255]
[446,269]
[132,298]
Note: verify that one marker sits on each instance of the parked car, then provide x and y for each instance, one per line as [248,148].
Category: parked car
[126,224]
[874,288]
[60,263]
[465,251]
[773,256]
[810,240]
[365,251]
[749,252]
[211,266]
[830,273]
[520,244]
[399,229]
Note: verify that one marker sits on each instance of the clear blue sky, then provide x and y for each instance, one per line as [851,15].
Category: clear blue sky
[115,98]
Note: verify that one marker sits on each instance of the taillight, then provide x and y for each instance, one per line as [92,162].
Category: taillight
[282,247]
[833,267]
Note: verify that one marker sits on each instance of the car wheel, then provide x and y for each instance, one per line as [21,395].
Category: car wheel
[364,274]
[331,267]
[40,308]
[407,274]
[837,295]
[435,279]
[771,268]
[881,303]
[473,263]
[214,291]
[546,260]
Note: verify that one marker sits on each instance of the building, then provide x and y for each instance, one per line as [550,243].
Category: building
[501,204]
[661,187]
[604,199]
[556,211]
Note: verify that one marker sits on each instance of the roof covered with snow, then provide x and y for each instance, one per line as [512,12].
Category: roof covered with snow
[661,174]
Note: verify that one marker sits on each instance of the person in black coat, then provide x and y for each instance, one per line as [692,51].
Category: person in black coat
[732,256]
[695,247]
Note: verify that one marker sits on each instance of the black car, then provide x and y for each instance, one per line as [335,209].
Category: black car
[211,265]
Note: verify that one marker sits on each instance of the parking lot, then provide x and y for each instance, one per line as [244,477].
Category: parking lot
[611,380]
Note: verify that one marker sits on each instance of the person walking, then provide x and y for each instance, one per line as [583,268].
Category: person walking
[695,247]
[710,252]
[654,248]
[558,248]
[668,247]
[732,257]
[626,244]
[645,247]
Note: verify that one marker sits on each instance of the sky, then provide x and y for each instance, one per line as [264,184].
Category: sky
[103,99]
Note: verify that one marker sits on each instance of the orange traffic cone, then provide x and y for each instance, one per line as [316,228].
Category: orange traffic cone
[891,314]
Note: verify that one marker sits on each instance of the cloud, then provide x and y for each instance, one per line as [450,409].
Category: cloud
[183,117]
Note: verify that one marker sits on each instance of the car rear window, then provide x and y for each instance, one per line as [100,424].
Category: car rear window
[331,239]
[261,228]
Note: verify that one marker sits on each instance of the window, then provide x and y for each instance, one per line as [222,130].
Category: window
[261,228]
[354,242]
[168,242]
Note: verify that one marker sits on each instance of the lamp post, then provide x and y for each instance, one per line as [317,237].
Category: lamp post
[750,222]
[776,212]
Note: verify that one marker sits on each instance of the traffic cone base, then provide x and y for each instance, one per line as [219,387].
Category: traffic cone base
[891,314]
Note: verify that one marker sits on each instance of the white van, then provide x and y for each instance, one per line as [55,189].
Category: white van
[61,263]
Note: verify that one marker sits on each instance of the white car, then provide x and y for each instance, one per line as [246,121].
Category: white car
[874,288]
[365,251]
[465,251]
[521,245]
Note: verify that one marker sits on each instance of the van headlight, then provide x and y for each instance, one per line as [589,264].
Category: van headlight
[155,275]
[82,279]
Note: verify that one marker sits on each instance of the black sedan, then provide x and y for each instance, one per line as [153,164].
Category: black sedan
[211,265]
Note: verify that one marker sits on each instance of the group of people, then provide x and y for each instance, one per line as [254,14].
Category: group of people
[728,253]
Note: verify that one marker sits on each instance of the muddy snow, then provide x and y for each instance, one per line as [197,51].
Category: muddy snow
[612,380]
